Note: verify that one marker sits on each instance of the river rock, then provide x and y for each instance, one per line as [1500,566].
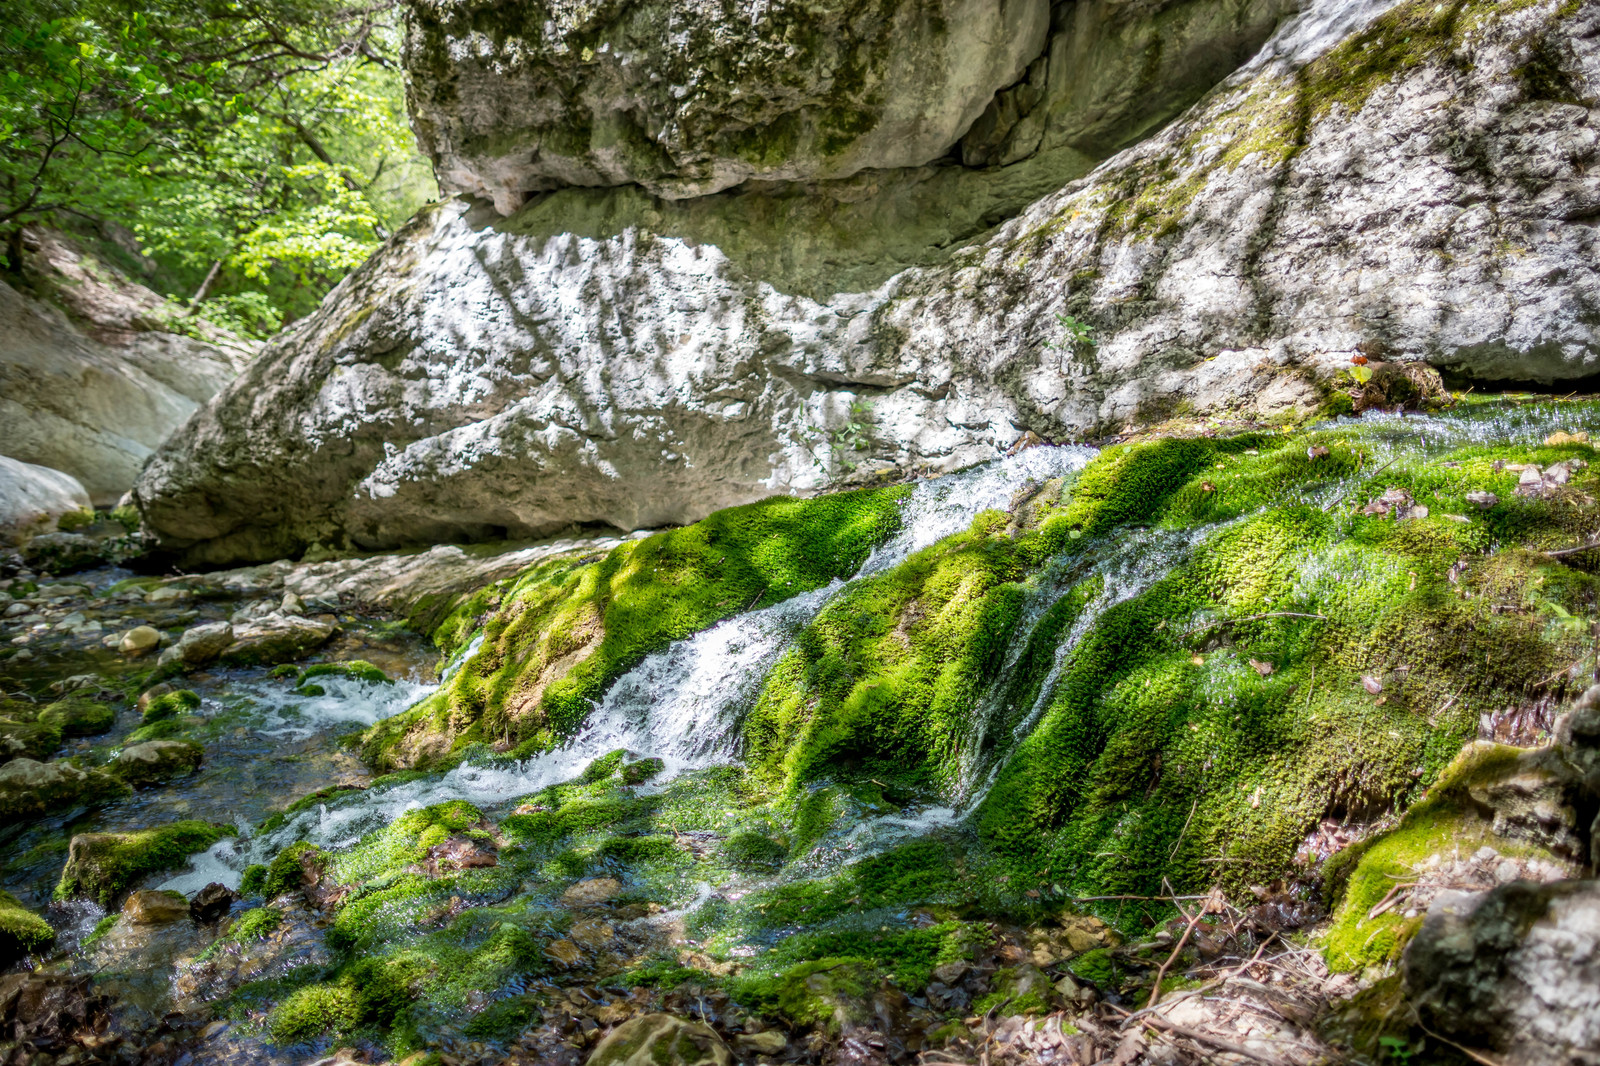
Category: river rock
[591,891]
[27,737]
[276,638]
[608,356]
[154,907]
[33,497]
[1514,969]
[156,761]
[199,645]
[661,1040]
[212,902]
[29,789]
[90,382]
[22,932]
[62,553]
[139,640]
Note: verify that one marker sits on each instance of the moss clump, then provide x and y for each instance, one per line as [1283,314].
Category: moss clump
[79,717]
[28,737]
[101,866]
[753,851]
[642,770]
[388,851]
[171,705]
[253,881]
[320,796]
[22,932]
[559,634]
[255,924]
[286,872]
[315,1010]
[356,669]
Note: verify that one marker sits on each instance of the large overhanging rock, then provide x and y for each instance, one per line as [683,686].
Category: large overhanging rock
[609,357]
[688,97]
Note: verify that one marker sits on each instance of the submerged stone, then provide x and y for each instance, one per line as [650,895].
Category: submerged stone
[101,866]
[199,645]
[151,907]
[277,639]
[29,789]
[157,761]
[661,1040]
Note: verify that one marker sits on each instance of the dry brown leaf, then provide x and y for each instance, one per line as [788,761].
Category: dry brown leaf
[1381,701]
[1206,486]
[1371,684]
[1032,893]
[1264,669]
[1316,452]
[1197,659]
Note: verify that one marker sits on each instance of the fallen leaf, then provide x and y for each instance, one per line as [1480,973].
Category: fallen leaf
[1419,511]
[1264,669]
[1032,893]
[1381,701]
[1359,360]
[1457,517]
[1413,586]
[1457,568]
[1316,452]
[1206,486]
[1483,499]
[1371,684]
[1255,798]
[1197,659]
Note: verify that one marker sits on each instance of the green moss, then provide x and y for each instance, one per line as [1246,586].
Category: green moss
[753,851]
[78,717]
[98,933]
[21,931]
[101,866]
[286,872]
[320,796]
[1096,967]
[357,669]
[405,841]
[253,881]
[314,1011]
[561,633]
[166,729]
[33,739]
[642,770]
[171,705]
[254,924]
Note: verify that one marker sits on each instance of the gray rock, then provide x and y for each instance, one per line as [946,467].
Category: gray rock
[63,553]
[33,497]
[1515,969]
[277,638]
[90,383]
[199,645]
[609,357]
[156,761]
[139,641]
[29,789]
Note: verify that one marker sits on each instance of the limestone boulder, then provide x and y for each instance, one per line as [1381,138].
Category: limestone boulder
[155,907]
[610,357]
[692,98]
[33,497]
[91,381]
[276,638]
[1514,969]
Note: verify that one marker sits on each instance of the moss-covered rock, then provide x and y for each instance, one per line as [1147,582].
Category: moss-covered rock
[661,1040]
[21,931]
[171,704]
[78,717]
[27,735]
[556,636]
[157,761]
[101,866]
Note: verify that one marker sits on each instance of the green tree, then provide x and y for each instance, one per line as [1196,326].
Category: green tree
[258,149]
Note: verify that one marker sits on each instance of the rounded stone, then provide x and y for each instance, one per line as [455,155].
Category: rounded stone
[140,640]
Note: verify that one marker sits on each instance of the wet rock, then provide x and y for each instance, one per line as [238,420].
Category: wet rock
[100,866]
[140,640]
[152,907]
[149,695]
[79,717]
[212,902]
[457,853]
[1022,989]
[49,1009]
[277,639]
[29,789]
[62,553]
[766,1042]
[22,932]
[563,952]
[661,1040]
[27,738]
[33,497]
[199,645]
[166,595]
[1514,969]
[592,891]
[156,761]
[168,704]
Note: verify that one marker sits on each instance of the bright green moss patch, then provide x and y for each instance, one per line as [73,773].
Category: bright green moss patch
[404,841]
[101,866]
[22,932]
[171,705]
[77,717]
[558,635]
[320,796]
[254,924]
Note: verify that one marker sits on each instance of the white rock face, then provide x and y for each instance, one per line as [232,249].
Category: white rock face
[482,378]
[688,98]
[33,497]
[93,395]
